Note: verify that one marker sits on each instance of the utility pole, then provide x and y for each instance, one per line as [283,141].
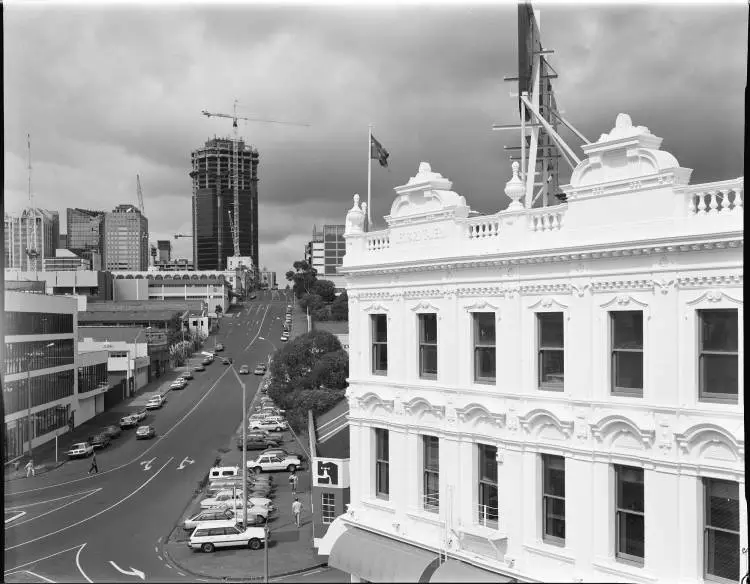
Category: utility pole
[244,446]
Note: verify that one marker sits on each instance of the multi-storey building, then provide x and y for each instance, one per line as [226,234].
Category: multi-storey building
[22,249]
[67,261]
[210,287]
[549,394]
[165,250]
[125,239]
[86,235]
[325,252]
[91,284]
[47,385]
[267,278]
[213,200]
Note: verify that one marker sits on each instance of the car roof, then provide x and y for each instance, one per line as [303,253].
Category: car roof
[147,427]
[214,524]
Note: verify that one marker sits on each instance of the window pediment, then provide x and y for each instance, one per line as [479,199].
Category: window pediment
[548,303]
[699,435]
[611,426]
[537,419]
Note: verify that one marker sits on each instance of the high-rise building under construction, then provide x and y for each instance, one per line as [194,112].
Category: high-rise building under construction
[213,199]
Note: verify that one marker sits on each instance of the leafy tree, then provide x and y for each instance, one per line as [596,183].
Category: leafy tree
[325,289]
[331,370]
[322,313]
[303,278]
[313,301]
[295,360]
[340,307]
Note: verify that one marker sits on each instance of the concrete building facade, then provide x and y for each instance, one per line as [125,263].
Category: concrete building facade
[86,235]
[18,239]
[325,252]
[549,394]
[125,239]
[210,287]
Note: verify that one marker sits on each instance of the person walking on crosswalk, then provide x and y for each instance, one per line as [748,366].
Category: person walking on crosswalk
[94,466]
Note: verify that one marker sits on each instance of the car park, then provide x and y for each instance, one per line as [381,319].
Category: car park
[256,443]
[244,370]
[99,440]
[145,432]
[155,403]
[216,534]
[268,463]
[220,515]
[80,450]
[199,367]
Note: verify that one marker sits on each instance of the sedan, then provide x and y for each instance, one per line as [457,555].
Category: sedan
[155,403]
[100,440]
[178,384]
[281,453]
[219,347]
[187,375]
[284,338]
[220,515]
[260,370]
[277,426]
[256,443]
[111,431]
[244,370]
[80,450]
[128,421]
[206,361]
[199,368]
[226,360]
[145,432]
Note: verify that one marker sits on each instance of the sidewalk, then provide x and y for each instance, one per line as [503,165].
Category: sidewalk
[44,455]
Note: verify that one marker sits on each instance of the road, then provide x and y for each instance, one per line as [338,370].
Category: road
[109,527]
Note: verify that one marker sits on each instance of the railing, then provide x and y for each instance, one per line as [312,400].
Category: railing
[714,198]
[546,218]
[482,227]
[487,516]
[378,240]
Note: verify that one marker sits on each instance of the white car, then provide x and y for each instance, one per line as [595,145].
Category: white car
[265,424]
[272,462]
[228,498]
[214,515]
[284,338]
[208,536]
[80,450]
[155,403]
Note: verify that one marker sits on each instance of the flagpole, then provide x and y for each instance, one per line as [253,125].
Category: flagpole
[369,174]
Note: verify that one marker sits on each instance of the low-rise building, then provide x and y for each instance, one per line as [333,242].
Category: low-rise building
[95,285]
[66,261]
[552,393]
[210,287]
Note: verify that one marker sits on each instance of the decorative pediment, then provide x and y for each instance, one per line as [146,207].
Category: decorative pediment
[714,296]
[537,419]
[702,434]
[475,412]
[375,308]
[420,406]
[425,307]
[548,303]
[625,301]
[611,426]
[371,401]
[481,305]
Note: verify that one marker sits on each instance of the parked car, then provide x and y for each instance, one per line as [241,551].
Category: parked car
[220,515]
[99,440]
[268,463]
[280,452]
[256,443]
[80,450]
[232,498]
[145,432]
[155,403]
[265,424]
[244,370]
[219,347]
[140,415]
[284,338]
[129,421]
[207,361]
[209,536]
[178,383]
[112,431]
[186,375]
[199,368]
[226,360]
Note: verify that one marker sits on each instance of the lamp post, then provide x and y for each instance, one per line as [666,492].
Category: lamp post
[244,446]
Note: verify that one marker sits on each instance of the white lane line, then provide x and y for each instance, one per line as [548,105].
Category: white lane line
[88,491]
[259,327]
[88,494]
[17,568]
[38,576]
[180,573]
[16,516]
[152,477]
[78,563]
[160,558]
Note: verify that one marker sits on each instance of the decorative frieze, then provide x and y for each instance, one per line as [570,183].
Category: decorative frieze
[496,291]
[530,289]
[423,293]
[701,281]
[615,285]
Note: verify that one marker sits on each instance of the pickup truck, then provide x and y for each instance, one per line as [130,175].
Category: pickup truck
[80,450]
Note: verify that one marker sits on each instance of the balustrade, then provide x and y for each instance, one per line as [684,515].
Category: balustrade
[715,198]
[377,241]
[481,227]
[547,218]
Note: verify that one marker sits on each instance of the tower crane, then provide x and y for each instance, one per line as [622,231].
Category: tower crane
[31,234]
[140,193]
[236,165]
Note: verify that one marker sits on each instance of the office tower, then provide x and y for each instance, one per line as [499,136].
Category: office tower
[213,199]
[125,239]
[63,241]
[86,235]
[23,250]
[334,248]
[165,250]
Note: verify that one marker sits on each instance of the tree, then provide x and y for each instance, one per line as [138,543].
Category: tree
[340,307]
[331,370]
[313,301]
[325,289]
[303,278]
[219,309]
[295,361]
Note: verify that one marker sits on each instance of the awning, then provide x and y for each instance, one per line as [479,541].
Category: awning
[380,559]
[455,571]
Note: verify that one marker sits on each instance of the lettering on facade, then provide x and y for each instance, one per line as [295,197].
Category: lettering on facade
[417,235]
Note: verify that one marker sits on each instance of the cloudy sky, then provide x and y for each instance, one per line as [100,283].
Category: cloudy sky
[108,91]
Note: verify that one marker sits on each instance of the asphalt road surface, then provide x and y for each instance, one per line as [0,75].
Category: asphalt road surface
[108,527]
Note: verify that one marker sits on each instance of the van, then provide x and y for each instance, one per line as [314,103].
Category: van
[220,472]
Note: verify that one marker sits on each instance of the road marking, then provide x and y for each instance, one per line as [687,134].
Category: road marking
[168,566]
[16,516]
[185,461]
[33,574]
[51,500]
[42,559]
[78,563]
[88,494]
[160,558]
[180,573]
[147,463]
[132,572]
[259,326]
[151,478]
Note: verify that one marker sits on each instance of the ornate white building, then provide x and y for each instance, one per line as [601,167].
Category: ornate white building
[549,394]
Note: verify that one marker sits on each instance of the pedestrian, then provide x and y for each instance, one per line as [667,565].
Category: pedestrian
[297,511]
[94,466]
[293,480]
[30,468]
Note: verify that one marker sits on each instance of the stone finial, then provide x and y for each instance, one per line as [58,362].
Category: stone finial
[355,218]
[624,128]
[515,189]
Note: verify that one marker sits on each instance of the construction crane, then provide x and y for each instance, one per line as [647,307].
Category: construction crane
[140,193]
[236,164]
[178,235]
[31,234]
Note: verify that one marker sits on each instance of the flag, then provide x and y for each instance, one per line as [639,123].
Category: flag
[377,152]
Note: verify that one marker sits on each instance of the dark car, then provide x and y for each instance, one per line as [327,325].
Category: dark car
[145,432]
[100,440]
[226,360]
[207,361]
[187,375]
[199,368]
[111,431]
[256,443]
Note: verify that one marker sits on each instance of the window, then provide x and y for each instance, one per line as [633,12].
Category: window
[428,346]
[551,350]
[328,507]
[487,475]
[379,344]
[627,352]
[630,535]
[431,473]
[484,347]
[553,498]
[721,532]
[718,359]
[382,485]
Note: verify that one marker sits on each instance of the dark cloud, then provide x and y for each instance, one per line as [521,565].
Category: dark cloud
[111,91]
